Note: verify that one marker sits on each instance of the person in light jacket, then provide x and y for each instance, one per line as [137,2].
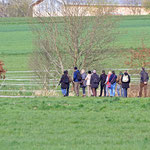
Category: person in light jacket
[119,84]
[88,78]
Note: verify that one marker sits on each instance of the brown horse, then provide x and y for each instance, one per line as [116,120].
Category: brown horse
[2,71]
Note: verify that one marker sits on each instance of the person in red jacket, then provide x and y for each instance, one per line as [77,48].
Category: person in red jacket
[108,84]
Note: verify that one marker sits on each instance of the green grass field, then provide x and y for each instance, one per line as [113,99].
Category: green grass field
[16,40]
[70,123]
[74,124]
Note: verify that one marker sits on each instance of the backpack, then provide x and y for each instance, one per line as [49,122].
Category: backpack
[113,79]
[66,80]
[79,77]
[125,78]
[145,76]
[95,81]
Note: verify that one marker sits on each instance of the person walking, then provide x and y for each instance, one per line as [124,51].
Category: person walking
[64,81]
[70,81]
[125,79]
[103,77]
[88,78]
[112,81]
[94,82]
[83,82]
[119,84]
[77,80]
[108,84]
[143,82]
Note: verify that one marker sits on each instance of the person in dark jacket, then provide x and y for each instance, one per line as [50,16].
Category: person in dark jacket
[94,82]
[76,76]
[125,79]
[143,82]
[70,81]
[83,83]
[64,81]
[112,80]
[103,77]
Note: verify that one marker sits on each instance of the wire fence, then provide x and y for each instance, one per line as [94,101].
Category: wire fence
[25,83]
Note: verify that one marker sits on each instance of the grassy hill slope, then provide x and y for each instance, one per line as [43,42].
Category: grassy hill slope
[16,40]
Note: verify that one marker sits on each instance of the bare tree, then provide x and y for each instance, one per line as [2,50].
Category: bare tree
[18,8]
[75,34]
[138,58]
[3,7]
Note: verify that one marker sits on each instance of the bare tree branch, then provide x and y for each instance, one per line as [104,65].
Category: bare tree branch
[74,35]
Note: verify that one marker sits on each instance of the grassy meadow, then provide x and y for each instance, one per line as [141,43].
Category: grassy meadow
[74,124]
[16,43]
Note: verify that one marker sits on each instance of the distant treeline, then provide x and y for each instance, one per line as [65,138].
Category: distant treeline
[15,8]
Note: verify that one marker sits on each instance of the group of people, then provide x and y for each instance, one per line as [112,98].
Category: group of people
[108,83]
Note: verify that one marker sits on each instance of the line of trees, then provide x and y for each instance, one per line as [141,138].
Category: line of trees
[137,3]
[15,8]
